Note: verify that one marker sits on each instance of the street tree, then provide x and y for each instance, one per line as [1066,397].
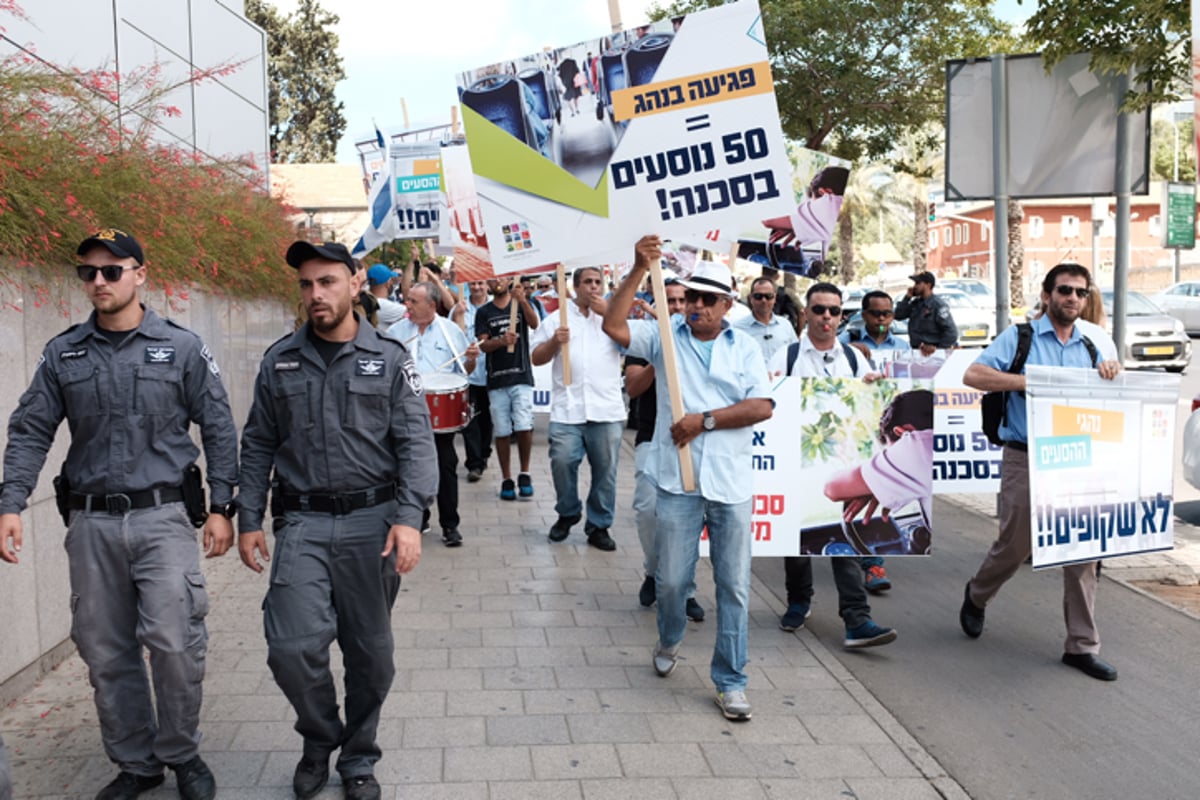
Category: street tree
[1154,35]
[303,69]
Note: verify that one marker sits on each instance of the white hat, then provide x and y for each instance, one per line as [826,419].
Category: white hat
[711,277]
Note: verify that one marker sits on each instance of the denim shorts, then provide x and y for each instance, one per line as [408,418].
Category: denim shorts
[512,409]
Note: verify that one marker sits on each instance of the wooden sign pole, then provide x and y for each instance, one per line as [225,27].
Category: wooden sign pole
[671,378]
[562,322]
[512,312]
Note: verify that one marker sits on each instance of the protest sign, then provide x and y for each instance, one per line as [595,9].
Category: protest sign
[416,171]
[464,219]
[831,446]
[669,128]
[964,460]
[1101,463]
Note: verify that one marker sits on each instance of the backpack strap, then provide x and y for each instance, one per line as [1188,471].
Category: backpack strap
[1024,343]
[793,352]
[1091,348]
[851,356]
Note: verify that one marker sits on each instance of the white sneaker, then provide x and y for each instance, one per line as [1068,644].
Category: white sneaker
[733,705]
[665,659]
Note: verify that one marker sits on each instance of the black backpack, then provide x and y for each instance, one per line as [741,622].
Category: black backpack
[993,406]
[794,352]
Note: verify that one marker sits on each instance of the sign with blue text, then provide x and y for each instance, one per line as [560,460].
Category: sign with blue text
[1101,464]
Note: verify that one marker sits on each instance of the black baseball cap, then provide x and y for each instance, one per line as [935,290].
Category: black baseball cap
[924,277]
[115,241]
[302,251]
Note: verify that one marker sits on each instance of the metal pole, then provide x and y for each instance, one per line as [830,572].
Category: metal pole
[1000,188]
[1121,240]
[1175,160]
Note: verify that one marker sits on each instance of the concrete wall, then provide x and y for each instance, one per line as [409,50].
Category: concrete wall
[35,631]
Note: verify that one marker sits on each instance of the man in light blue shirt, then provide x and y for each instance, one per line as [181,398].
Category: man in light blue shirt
[1058,342]
[771,332]
[438,347]
[477,436]
[725,391]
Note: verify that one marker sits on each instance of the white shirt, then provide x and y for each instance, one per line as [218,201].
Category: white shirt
[390,312]
[814,363]
[595,391]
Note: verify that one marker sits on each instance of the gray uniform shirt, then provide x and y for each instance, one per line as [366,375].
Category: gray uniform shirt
[128,409]
[359,422]
[929,321]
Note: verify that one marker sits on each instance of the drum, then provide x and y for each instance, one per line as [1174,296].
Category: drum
[447,398]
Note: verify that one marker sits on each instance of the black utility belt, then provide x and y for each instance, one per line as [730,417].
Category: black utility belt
[339,503]
[124,501]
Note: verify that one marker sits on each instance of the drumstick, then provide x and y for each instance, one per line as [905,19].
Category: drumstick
[448,363]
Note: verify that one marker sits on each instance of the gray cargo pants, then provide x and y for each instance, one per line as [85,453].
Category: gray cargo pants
[136,582]
[328,581]
[5,774]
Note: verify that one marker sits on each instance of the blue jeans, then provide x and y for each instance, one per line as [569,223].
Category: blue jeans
[681,519]
[601,443]
[645,494]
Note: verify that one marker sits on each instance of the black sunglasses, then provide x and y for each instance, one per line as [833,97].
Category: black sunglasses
[761,296]
[708,298]
[875,312]
[1065,291]
[111,272]
[819,310]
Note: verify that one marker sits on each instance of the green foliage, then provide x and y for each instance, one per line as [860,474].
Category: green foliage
[303,69]
[842,406]
[70,166]
[1162,151]
[852,76]
[1154,35]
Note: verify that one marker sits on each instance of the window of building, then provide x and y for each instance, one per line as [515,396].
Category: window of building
[958,234]
[933,240]
[1070,227]
[966,233]
[1037,227]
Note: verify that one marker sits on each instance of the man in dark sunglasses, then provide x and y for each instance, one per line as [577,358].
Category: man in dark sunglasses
[1056,341]
[770,331]
[725,393]
[130,384]
[930,324]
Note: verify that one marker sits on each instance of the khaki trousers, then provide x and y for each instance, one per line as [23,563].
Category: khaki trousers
[1014,545]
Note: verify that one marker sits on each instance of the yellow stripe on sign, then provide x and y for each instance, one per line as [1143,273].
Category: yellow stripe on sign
[1102,426]
[426,166]
[692,91]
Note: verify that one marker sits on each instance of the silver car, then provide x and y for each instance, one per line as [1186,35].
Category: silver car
[1152,338]
[1182,301]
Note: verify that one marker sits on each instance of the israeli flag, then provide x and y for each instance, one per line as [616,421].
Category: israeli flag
[381,202]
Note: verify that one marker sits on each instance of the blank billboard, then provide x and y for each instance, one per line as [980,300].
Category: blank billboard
[1062,130]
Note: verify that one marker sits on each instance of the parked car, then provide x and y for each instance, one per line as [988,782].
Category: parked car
[1152,337]
[1182,301]
[977,290]
[976,325]
[851,305]
[855,324]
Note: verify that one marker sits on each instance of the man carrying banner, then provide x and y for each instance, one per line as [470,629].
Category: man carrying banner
[819,354]
[725,393]
[876,334]
[1057,341]
[587,416]
[772,332]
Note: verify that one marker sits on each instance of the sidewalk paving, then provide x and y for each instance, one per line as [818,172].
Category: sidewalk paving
[523,671]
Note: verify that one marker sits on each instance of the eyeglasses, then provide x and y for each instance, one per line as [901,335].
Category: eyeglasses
[875,312]
[762,296]
[708,298]
[111,272]
[819,310]
[1064,290]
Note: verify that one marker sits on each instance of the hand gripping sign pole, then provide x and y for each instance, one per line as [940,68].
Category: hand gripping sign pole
[512,312]
[562,322]
[686,475]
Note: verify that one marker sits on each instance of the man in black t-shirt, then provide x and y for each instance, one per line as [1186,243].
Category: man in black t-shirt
[642,391]
[509,378]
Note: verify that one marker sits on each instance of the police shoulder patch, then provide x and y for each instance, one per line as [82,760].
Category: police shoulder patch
[207,355]
[411,376]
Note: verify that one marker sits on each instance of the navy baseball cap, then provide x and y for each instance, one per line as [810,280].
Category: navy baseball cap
[302,251]
[115,241]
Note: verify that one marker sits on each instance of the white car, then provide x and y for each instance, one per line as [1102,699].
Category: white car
[979,292]
[1181,301]
[976,325]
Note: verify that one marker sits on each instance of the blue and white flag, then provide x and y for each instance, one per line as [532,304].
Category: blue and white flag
[381,202]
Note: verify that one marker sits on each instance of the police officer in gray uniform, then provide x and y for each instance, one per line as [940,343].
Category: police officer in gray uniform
[930,324]
[338,413]
[129,384]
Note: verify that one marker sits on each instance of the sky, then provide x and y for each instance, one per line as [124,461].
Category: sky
[413,50]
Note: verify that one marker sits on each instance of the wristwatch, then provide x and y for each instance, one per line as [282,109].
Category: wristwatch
[227,510]
[710,422]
